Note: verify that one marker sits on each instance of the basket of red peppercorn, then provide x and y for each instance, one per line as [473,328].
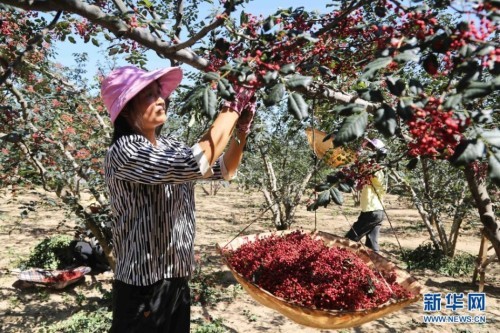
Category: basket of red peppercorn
[318,279]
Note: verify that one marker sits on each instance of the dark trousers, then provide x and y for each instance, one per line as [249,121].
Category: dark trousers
[164,306]
[368,224]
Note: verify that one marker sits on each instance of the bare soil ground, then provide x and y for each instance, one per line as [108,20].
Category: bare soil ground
[220,218]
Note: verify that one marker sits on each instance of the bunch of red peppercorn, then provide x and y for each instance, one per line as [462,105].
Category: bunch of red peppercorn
[303,270]
[434,130]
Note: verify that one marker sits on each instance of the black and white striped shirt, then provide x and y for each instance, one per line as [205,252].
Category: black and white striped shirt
[152,200]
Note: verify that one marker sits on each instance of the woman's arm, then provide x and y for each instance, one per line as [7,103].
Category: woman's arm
[217,137]
[234,154]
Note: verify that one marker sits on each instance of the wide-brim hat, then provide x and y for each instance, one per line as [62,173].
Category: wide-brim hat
[123,83]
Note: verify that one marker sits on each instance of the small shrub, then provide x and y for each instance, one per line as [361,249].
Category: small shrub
[432,257]
[215,326]
[204,290]
[51,253]
[98,321]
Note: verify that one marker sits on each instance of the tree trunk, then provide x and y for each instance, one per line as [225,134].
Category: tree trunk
[484,206]
[95,229]
[434,218]
[458,217]
[420,208]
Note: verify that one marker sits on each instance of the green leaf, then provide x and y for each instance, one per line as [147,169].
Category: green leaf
[485,50]
[322,187]
[297,106]
[349,109]
[416,88]
[452,101]
[243,18]
[209,102]
[477,90]
[312,207]
[385,120]
[211,76]
[406,56]
[492,137]
[270,76]
[494,167]
[467,50]
[268,24]
[395,85]
[192,98]
[225,89]
[95,42]
[226,68]
[323,199]
[336,196]
[482,116]
[375,65]
[298,81]
[404,108]
[72,39]
[275,95]
[113,51]
[343,187]
[325,71]
[287,69]
[352,128]
[371,95]
[468,151]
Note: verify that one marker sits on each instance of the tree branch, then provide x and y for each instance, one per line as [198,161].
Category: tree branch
[19,96]
[341,17]
[72,88]
[179,14]
[30,46]
[117,26]
[121,6]
[202,33]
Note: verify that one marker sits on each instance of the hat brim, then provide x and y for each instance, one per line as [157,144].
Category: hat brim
[169,79]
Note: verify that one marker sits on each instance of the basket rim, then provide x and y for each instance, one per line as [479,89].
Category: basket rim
[390,302]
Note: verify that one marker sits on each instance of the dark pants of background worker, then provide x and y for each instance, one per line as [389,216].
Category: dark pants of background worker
[164,306]
[368,224]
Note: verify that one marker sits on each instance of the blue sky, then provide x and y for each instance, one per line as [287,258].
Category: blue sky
[97,55]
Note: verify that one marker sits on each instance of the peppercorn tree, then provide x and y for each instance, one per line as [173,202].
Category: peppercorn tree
[380,65]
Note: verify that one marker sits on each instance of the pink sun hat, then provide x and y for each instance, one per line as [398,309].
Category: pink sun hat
[123,83]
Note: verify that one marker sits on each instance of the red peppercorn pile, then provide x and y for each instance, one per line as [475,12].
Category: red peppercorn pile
[304,271]
[64,276]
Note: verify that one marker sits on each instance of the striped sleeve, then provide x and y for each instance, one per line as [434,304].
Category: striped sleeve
[218,170]
[134,158]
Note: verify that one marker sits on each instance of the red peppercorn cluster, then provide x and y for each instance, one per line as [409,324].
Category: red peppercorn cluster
[435,132]
[360,172]
[304,271]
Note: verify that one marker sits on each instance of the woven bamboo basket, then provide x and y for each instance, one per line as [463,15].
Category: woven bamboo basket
[328,319]
[326,150]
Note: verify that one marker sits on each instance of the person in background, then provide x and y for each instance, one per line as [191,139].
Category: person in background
[150,178]
[372,210]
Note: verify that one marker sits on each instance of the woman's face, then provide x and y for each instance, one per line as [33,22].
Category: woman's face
[150,107]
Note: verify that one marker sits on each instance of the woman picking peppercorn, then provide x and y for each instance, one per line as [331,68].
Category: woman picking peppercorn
[372,210]
[150,178]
